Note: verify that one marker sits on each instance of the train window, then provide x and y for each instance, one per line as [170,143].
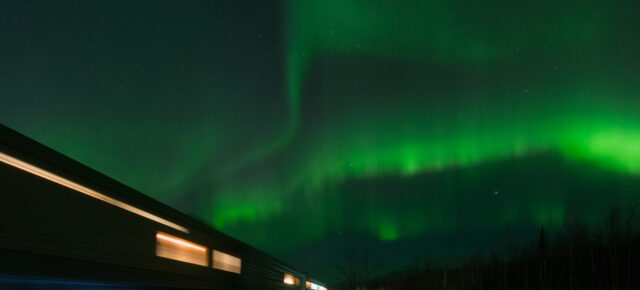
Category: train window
[226,262]
[291,280]
[170,247]
[314,286]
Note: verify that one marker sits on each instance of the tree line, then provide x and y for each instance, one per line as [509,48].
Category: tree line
[605,256]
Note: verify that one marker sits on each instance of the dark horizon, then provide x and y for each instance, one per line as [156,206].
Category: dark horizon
[574,257]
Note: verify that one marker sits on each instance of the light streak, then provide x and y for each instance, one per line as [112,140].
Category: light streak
[170,247]
[180,242]
[85,190]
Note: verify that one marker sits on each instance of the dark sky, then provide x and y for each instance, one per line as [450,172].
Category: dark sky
[410,129]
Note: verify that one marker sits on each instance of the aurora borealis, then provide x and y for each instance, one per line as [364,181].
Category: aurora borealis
[413,128]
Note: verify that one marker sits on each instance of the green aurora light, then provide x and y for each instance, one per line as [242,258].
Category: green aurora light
[316,121]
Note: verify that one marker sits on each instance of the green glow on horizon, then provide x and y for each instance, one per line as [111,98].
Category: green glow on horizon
[620,150]
[387,231]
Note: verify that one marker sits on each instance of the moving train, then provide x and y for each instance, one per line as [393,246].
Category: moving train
[62,221]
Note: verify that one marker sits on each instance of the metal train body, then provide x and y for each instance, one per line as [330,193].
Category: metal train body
[61,220]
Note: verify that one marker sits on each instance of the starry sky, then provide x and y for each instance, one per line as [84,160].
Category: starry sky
[410,129]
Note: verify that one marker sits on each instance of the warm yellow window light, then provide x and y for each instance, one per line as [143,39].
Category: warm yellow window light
[314,286]
[226,262]
[291,280]
[170,247]
[288,279]
[178,241]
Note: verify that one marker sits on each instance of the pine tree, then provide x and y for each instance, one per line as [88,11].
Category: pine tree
[543,260]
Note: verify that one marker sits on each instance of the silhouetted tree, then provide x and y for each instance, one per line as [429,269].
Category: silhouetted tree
[572,257]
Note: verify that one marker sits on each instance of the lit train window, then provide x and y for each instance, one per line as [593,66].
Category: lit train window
[226,262]
[314,286]
[170,247]
[291,280]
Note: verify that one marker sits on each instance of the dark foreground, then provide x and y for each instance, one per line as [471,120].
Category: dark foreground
[605,256]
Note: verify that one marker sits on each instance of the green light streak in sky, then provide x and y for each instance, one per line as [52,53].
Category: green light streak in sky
[616,149]
[406,147]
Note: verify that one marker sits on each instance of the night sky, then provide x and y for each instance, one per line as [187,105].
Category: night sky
[410,129]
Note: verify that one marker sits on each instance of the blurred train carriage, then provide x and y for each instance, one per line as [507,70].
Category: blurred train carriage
[62,221]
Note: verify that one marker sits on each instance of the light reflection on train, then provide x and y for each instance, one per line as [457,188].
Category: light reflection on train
[174,239]
[175,248]
[295,281]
